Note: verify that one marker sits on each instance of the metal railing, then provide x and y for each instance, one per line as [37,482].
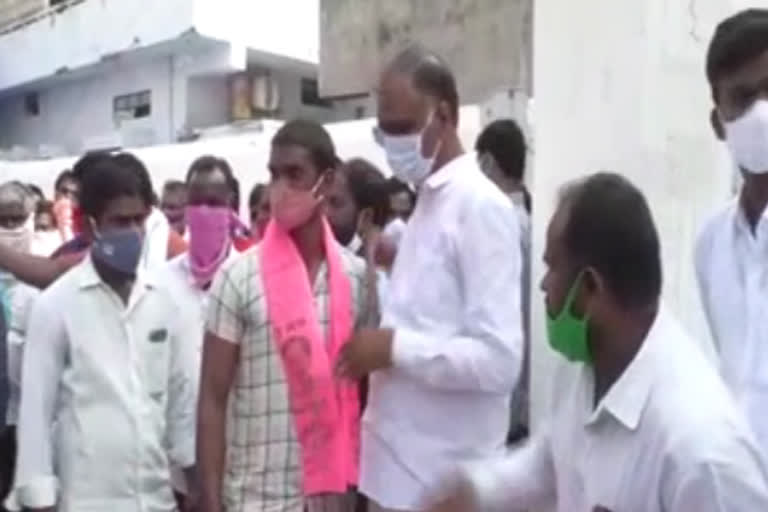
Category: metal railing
[32,14]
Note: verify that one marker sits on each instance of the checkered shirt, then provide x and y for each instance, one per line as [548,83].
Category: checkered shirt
[263,472]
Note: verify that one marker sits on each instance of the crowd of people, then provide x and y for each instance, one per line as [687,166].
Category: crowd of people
[363,341]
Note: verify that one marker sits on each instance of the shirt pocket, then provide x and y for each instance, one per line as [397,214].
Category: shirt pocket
[156,361]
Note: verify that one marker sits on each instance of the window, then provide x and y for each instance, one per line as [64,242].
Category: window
[310,94]
[31,104]
[132,106]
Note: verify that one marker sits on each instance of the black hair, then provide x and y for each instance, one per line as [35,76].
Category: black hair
[132,162]
[35,191]
[430,74]
[107,180]
[45,207]
[207,163]
[84,164]
[396,187]
[610,228]
[311,136]
[368,188]
[505,141]
[64,176]
[172,186]
[257,192]
[737,40]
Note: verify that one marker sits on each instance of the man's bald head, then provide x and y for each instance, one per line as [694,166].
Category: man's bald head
[429,74]
[16,204]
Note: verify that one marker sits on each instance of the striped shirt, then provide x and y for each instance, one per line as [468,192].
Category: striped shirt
[263,471]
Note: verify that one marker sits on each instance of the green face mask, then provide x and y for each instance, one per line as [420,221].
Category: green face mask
[568,334]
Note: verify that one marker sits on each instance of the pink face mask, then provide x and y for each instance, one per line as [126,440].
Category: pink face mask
[292,207]
[209,240]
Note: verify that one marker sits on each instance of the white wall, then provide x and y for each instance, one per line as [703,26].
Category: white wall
[85,33]
[620,86]
[208,101]
[72,111]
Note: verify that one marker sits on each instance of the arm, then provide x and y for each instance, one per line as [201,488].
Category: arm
[521,480]
[182,397]
[221,351]
[220,359]
[721,487]
[43,364]
[487,354]
[701,257]
[34,270]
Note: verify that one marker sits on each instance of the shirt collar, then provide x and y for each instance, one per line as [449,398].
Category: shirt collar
[627,398]
[355,244]
[89,278]
[449,171]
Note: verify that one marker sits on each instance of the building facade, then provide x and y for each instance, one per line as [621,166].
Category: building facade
[78,75]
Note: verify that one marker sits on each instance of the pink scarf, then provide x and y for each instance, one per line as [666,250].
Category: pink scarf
[326,410]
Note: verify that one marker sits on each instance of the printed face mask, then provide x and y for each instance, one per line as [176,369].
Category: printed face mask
[567,334]
[209,240]
[747,138]
[405,157]
[293,207]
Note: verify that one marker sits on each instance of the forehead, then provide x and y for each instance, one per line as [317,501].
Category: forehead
[752,74]
[290,155]
[126,206]
[212,177]
[398,99]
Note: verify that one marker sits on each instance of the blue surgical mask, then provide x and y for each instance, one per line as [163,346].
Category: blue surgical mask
[405,157]
[118,249]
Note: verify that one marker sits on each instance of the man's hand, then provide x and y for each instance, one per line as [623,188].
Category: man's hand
[457,496]
[367,351]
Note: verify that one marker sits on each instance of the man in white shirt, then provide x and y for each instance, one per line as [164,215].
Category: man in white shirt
[443,367]
[732,250]
[501,152]
[210,194]
[639,420]
[16,299]
[106,361]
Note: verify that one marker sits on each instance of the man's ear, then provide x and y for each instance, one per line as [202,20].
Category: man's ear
[717,124]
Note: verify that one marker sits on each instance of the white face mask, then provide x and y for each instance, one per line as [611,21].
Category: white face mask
[19,238]
[747,138]
[405,157]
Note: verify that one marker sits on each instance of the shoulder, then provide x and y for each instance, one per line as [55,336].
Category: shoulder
[353,264]
[241,272]
[714,226]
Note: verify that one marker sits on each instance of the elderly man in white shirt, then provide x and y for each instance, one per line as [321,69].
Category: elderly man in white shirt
[449,355]
[106,361]
[640,421]
[732,250]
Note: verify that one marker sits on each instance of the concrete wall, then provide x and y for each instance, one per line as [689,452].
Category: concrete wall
[621,86]
[86,33]
[490,39]
[74,111]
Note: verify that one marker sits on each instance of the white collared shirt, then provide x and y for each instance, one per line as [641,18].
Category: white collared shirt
[732,271]
[454,302]
[119,385]
[19,298]
[192,301]
[666,437]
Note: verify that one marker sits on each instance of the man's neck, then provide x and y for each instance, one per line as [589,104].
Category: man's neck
[121,285]
[309,242]
[615,348]
[450,150]
[754,197]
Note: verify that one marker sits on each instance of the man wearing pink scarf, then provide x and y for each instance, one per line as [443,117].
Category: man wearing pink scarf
[277,430]
[211,218]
